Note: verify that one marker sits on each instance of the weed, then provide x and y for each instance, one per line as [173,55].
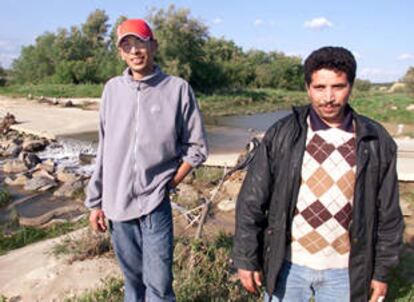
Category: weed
[5,197]
[401,287]
[89,245]
[203,272]
[53,90]
[26,235]
[111,291]
[206,174]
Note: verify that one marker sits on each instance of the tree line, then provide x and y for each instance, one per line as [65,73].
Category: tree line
[88,54]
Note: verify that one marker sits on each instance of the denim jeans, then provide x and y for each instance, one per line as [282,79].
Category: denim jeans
[298,283]
[144,249]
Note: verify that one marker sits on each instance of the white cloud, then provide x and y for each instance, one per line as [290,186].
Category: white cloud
[258,22]
[6,59]
[7,45]
[318,23]
[406,56]
[9,51]
[375,74]
[217,21]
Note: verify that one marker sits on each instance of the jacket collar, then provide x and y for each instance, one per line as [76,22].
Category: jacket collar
[150,80]
[364,129]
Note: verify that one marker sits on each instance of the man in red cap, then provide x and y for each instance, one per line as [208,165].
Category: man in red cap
[150,136]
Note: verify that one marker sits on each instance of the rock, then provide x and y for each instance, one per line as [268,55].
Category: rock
[187,195]
[29,159]
[47,165]
[410,107]
[30,96]
[68,103]
[232,188]
[227,205]
[34,145]
[55,101]
[13,150]
[409,236]
[40,183]
[20,180]
[43,173]
[86,159]
[14,166]
[6,122]
[65,175]
[69,188]
[406,208]
[393,107]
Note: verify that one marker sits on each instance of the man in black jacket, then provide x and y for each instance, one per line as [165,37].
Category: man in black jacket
[318,213]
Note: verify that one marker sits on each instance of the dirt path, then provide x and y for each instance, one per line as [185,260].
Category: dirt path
[33,273]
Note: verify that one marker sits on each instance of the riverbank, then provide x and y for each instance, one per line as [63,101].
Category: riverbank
[384,106]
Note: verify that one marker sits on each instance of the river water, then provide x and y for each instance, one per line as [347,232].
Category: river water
[227,134]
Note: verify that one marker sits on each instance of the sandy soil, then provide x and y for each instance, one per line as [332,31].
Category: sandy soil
[33,273]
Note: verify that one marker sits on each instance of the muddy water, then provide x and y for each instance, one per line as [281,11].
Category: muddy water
[225,134]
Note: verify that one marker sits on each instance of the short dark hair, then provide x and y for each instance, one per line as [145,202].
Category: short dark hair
[331,58]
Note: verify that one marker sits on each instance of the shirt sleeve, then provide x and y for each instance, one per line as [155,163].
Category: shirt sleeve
[193,140]
[94,189]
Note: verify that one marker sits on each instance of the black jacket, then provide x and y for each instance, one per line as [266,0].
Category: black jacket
[268,197]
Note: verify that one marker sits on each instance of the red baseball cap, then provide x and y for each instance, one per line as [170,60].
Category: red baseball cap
[135,27]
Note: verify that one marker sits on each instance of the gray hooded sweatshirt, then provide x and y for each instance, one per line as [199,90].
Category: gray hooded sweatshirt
[147,128]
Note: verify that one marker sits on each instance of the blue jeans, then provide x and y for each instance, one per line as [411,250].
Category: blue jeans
[144,249]
[298,283]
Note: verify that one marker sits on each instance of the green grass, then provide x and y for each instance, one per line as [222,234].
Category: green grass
[207,174]
[202,273]
[53,90]
[401,286]
[250,101]
[111,291]
[25,235]
[385,107]
[5,197]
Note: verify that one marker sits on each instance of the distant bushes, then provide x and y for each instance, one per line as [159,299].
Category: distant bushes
[88,54]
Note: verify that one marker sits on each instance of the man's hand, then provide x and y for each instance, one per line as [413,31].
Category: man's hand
[379,290]
[250,280]
[97,220]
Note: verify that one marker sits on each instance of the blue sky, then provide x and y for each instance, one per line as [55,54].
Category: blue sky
[379,33]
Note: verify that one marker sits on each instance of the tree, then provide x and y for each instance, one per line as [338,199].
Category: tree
[3,75]
[36,61]
[180,43]
[95,29]
[88,54]
[362,85]
[409,79]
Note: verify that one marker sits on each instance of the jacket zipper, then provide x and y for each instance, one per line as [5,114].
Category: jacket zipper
[135,166]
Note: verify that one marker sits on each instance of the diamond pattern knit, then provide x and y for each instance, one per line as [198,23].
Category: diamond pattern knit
[323,212]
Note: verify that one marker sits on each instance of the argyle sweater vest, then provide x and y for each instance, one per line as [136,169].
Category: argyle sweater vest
[320,238]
